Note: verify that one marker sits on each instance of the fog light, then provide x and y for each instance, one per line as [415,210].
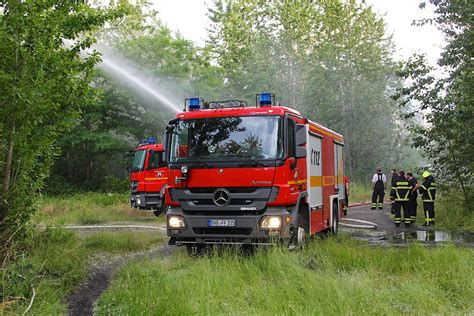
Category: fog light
[176,221]
[271,222]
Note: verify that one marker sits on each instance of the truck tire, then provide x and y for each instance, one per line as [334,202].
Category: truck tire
[196,250]
[298,233]
[335,219]
[161,210]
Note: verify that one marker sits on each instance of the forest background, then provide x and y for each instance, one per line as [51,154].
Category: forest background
[67,126]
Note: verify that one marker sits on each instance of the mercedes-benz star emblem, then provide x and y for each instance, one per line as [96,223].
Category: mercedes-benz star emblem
[221,197]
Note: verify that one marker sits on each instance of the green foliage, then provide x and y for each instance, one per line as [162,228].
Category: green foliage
[445,104]
[334,276]
[52,262]
[113,123]
[453,214]
[42,88]
[329,59]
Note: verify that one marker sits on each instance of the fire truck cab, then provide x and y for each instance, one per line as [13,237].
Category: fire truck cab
[251,175]
[148,177]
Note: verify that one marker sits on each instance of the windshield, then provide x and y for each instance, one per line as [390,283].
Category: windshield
[138,160]
[227,138]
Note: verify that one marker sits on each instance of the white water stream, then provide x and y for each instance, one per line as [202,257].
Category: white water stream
[116,68]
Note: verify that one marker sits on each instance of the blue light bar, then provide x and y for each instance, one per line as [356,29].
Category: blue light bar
[144,141]
[152,140]
[265,99]
[193,103]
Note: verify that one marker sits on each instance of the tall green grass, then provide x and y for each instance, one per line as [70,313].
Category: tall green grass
[334,276]
[90,208]
[52,262]
[452,213]
[360,192]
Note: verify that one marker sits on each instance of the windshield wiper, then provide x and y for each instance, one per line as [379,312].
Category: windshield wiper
[201,162]
[251,159]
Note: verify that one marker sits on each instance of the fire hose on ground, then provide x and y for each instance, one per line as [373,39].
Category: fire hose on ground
[357,223]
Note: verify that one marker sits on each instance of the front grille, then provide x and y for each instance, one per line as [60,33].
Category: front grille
[231,190]
[222,231]
[241,199]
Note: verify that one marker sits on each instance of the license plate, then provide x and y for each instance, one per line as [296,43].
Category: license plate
[221,222]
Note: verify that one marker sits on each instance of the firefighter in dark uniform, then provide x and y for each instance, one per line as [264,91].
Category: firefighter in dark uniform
[379,184]
[428,195]
[412,204]
[401,196]
[392,184]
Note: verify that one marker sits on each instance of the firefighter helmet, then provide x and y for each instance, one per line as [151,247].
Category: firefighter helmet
[426,174]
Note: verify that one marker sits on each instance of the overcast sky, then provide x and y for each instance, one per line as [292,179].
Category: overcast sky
[189,18]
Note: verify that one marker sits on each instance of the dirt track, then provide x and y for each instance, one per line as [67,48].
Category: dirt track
[81,301]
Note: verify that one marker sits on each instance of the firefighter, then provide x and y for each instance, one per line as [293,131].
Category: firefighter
[392,184]
[379,184]
[346,195]
[412,204]
[428,195]
[401,196]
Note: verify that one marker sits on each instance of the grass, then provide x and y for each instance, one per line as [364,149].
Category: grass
[54,261]
[451,213]
[90,209]
[113,242]
[360,192]
[334,276]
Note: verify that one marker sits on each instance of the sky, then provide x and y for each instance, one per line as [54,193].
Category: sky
[189,18]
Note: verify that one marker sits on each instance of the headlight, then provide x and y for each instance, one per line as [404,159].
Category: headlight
[139,201]
[176,221]
[271,222]
[184,169]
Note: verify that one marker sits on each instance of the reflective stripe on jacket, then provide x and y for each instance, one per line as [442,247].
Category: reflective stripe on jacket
[428,190]
[401,190]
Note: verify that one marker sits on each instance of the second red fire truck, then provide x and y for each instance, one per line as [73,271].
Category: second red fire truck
[251,175]
[148,177]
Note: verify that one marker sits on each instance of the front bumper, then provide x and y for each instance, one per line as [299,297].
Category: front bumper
[245,232]
[146,201]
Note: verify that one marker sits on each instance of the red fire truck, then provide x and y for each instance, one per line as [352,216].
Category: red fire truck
[251,175]
[148,177]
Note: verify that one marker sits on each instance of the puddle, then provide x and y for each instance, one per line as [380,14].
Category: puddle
[436,236]
[423,236]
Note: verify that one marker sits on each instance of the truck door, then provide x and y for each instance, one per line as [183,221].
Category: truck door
[156,171]
[315,186]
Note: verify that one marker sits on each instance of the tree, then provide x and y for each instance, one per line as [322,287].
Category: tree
[120,116]
[42,88]
[445,103]
[329,59]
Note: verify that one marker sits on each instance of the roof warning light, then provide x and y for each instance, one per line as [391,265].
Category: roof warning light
[265,99]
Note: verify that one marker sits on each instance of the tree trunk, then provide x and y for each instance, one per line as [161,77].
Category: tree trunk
[7,174]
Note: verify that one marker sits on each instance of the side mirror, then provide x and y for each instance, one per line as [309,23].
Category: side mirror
[300,152]
[300,135]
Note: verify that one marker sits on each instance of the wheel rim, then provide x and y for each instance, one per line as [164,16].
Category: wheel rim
[301,236]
